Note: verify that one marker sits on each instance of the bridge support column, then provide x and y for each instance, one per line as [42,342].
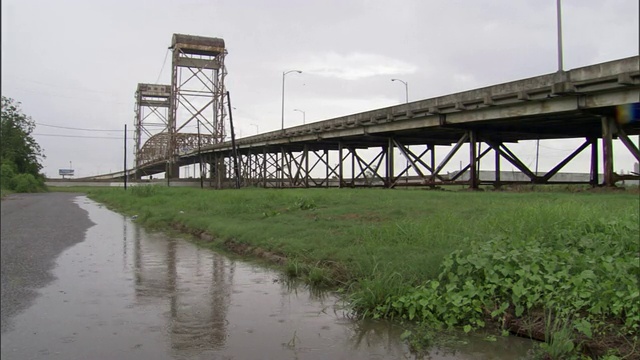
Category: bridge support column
[496,183]
[593,178]
[306,166]
[353,166]
[607,150]
[390,164]
[264,167]
[218,170]
[432,149]
[326,163]
[172,170]
[281,172]
[340,166]
[473,161]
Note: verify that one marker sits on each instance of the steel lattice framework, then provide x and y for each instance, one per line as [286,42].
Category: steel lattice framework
[156,148]
[197,92]
[402,145]
[151,118]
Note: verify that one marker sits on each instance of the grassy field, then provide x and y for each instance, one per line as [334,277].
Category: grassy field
[447,258]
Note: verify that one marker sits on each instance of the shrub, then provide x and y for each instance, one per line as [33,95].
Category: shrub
[7,174]
[25,183]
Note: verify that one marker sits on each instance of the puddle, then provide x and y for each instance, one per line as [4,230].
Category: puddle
[125,293]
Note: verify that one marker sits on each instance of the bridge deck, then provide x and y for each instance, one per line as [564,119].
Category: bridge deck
[552,106]
[569,104]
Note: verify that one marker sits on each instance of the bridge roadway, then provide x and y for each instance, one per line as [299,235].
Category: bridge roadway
[580,103]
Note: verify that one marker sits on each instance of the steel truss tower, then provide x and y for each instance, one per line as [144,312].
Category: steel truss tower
[197,95]
[151,120]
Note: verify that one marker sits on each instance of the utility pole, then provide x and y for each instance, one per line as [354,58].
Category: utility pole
[200,157]
[234,149]
[125,157]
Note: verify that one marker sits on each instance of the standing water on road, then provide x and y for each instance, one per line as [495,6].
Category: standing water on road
[125,293]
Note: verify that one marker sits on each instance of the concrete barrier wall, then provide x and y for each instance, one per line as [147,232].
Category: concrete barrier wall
[505,176]
[178,183]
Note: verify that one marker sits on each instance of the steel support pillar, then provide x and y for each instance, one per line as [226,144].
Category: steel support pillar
[326,164]
[172,170]
[473,164]
[432,148]
[264,167]
[353,166]
[280,173]
[389,163]
[593,177]
[607,150]
[496,183]
[306,166]
[340,169]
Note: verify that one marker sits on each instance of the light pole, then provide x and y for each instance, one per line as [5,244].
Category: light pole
[406,89]
[304,116]
[559,15]
[283,76]
[257,128]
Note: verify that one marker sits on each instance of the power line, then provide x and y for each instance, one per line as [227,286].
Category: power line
[163,63]
[58,86]
[81,129]
[69,97]
[81,136]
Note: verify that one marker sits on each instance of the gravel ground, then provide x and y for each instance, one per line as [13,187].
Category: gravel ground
[36,228]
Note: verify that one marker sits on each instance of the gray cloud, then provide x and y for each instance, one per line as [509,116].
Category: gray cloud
[77,63]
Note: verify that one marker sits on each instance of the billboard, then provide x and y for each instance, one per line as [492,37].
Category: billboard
[65,172]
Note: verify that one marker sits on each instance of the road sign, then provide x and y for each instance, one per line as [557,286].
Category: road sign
[65,172]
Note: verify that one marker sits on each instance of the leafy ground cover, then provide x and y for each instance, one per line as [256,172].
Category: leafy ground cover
[540,264]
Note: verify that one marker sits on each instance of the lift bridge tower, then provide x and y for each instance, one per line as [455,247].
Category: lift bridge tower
[197,110]
[151,125]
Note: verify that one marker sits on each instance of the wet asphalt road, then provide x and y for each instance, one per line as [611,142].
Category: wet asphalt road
[36,228]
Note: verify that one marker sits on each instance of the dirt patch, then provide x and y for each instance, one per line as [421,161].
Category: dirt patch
[534,327]
[245,249]
[231,245]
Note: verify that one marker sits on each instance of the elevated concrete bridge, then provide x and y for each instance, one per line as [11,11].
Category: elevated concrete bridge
[596,103]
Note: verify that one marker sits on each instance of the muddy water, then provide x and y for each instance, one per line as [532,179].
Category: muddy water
[125,293]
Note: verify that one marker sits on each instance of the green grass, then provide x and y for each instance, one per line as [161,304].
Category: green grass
[447,257]
[367,231]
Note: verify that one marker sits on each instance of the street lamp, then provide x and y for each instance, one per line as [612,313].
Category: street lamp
[283,76]
[559,16]
[304,116]
[257,128]
[406,89]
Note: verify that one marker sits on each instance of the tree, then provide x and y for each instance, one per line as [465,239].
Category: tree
[18,148]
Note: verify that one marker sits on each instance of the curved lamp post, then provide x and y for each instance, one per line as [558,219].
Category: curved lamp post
[406,89]
[304,116]
[283,76]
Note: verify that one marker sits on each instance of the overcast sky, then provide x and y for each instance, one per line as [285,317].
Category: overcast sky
[77,63]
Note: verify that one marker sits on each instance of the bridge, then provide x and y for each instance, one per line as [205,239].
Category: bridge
[397,145]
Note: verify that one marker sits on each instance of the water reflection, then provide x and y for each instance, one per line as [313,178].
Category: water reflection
[196,283]
[128,293]
[215,304]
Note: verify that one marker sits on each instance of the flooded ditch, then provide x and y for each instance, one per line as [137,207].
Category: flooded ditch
[127,293]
